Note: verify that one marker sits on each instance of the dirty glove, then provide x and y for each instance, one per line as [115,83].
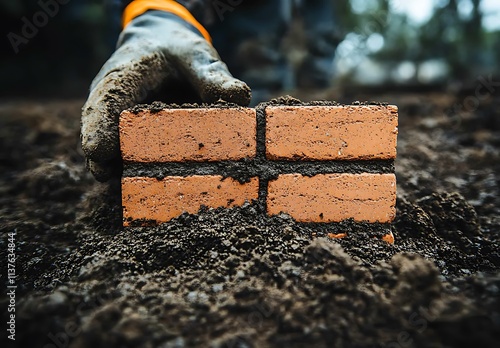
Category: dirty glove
[157,49]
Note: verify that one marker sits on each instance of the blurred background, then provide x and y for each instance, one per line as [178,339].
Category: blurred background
[420,44]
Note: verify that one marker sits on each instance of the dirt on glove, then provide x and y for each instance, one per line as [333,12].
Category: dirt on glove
[235,278]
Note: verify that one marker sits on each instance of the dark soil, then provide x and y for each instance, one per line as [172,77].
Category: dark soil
[234,278]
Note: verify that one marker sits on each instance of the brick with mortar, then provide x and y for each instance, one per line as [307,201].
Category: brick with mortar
[334,197]
[162,200]
[350,132]
[178,135]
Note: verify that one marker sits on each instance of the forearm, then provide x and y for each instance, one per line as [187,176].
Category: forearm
[200,9]
[208,12]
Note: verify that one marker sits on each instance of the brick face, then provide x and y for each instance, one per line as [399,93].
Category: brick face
[176,141]
[334,197]
[331,132]
[163,200]
[177,135]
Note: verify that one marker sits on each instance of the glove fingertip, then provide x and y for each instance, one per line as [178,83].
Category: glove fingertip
[233,91]
[240,94]
[104,171]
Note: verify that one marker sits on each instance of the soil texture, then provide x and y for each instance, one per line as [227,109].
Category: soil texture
[235,278]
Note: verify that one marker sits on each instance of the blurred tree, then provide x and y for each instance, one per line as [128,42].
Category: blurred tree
[454,34]
[66,53]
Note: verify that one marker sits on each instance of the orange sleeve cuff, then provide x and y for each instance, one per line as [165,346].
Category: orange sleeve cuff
[138,7]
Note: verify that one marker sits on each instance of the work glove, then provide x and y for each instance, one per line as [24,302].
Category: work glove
[157,50]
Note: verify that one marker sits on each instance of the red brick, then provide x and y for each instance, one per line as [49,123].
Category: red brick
[163,200]
[389,238]
[331,132]
[177,135]
[334,197]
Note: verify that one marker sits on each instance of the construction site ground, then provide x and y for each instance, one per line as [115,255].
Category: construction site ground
[236,278]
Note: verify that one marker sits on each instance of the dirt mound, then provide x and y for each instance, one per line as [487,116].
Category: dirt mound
[236,278]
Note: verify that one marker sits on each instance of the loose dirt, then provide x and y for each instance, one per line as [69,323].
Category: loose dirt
[235,278]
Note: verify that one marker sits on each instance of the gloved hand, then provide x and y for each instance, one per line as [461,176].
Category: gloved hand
[155,50]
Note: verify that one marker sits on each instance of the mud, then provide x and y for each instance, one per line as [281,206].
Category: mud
[244,170]
[158,106]
[235,278]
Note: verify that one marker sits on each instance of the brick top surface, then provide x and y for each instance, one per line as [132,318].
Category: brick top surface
[178,135]
[348,132]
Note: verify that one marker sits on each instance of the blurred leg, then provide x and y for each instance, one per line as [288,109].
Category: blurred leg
[322,39]
[248,40]
[114,16]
